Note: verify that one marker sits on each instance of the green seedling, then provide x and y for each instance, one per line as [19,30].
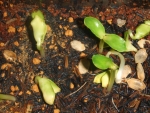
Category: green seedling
[39,30]
[111,73]
[48,89]
[141,31]
[114,41]
[7,97]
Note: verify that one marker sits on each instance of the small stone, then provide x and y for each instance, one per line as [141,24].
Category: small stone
[16,43]
[69,33]
[71,19]
[56,110]
[77,45]
[11,29]
[36,61]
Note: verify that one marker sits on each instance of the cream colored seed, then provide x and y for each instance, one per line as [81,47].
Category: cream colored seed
[141,56]
[140,72]
[136,84]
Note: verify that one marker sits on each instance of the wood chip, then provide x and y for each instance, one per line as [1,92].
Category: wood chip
[35,88]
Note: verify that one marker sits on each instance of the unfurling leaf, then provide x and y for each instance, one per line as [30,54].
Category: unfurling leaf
[115,42]
[95,26]
[102,62]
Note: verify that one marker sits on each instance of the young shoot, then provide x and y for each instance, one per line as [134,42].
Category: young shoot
[7,97]
[141,31]
[39,30]
[107,77]
[118,76]
[114,41]
[114,74]
[48,89]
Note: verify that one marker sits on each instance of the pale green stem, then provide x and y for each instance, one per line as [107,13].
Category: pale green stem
[111,80]
[41,50]
[118,76]
[101,46]
[7,97]
[131,34]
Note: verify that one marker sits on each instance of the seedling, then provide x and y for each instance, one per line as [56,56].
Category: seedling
[48,89]
[7,97]
[112,72]
[141,31]
[39,30]
[114,41]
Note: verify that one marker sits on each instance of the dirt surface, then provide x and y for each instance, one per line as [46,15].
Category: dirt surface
[78,92]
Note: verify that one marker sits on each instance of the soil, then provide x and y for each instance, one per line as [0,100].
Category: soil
[78,92]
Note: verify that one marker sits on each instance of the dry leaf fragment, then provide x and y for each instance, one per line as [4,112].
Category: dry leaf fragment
[77,45]
[141,56]
[135,84]
[10,55]
[140,72]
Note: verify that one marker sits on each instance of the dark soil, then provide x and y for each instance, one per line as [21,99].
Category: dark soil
[60,63]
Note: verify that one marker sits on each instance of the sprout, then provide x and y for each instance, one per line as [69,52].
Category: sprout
[39,30]
[7,97]
[48,89]
[114,41]
[103,62]
[118,76]
[141,31]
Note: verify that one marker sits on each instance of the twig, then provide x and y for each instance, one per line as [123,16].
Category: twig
[76,90]
[114,104]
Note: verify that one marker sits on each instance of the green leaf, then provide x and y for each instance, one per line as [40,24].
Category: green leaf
[142,31]
[48,89]
[39,14]
[102,62]
[39,30]
[95,26]
[115,42]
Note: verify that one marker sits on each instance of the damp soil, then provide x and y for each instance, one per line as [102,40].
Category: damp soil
[78,92]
